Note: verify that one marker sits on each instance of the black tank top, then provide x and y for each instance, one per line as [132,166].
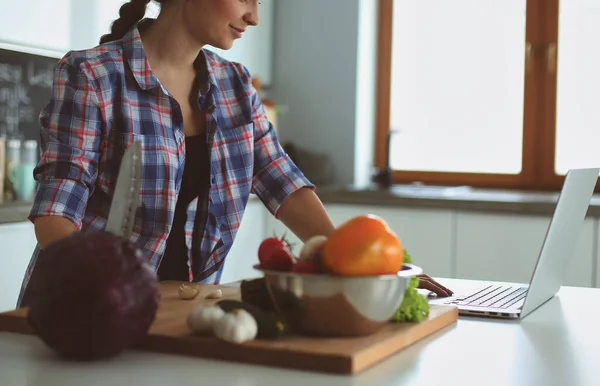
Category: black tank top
[194,183]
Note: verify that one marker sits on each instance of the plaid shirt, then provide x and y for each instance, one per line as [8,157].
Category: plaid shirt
[105,98]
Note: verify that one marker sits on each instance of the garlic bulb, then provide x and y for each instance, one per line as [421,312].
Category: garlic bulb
[218,294]
[312,247]
[203,318]
[237,326]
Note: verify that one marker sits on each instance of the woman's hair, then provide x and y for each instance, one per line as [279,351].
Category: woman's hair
[129,14]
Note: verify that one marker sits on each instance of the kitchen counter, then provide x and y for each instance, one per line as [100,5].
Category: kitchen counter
[12,212]
[458,198]
[448,198]
[556,345]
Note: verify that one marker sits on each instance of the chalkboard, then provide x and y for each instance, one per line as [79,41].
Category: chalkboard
[26,76]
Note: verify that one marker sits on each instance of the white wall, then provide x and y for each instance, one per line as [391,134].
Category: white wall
[314,75]
[84,27]
[366,91]
[324,53]
[39,23]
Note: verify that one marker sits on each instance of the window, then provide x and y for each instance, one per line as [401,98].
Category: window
[488,93]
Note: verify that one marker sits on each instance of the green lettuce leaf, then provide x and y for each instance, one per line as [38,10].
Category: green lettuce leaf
[414,306]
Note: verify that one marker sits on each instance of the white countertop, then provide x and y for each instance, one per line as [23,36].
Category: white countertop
[559,344]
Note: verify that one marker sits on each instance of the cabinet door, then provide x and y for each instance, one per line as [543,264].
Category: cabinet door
[506,248]
[426,234]
[18,242]
[243,254]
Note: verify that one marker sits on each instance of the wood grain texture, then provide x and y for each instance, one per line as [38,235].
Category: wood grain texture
[169,334]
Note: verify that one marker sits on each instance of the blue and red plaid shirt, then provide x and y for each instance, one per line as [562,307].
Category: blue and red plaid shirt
[105,98]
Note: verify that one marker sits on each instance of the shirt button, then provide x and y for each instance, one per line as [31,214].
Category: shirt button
[222,227]
[212,180]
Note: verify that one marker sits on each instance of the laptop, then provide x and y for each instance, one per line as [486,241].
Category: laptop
[515,301]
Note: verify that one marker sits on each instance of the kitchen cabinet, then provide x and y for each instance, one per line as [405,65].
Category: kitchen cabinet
[473,245]
[506,248]
[243,254]
[426,234]
[18,242]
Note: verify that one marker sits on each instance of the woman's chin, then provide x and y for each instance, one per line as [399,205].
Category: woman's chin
[223,45]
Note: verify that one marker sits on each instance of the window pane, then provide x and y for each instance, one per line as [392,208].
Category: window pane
[578,103]
[457,85]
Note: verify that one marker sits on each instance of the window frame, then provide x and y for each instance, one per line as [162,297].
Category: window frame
[539,110]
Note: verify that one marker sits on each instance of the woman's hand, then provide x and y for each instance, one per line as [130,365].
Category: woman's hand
[426,282]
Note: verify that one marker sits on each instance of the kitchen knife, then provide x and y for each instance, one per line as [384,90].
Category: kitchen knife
[127,193]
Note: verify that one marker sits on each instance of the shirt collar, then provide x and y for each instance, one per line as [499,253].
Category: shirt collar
[210,94]
[135,55]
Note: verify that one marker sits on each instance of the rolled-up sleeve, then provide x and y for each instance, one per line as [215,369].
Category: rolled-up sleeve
[70,136]
[276,176]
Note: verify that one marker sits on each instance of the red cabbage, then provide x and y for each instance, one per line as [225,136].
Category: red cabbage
[92,296]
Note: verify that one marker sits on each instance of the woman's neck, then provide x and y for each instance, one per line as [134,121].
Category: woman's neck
[168,46]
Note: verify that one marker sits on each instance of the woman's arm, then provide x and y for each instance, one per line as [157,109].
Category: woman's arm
[52,228]
[279,183]
[70,136]
[303,213]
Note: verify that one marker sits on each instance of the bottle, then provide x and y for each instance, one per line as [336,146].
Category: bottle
[29,153]
[13,158]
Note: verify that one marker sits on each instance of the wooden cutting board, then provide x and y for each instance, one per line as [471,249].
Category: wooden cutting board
[169,334]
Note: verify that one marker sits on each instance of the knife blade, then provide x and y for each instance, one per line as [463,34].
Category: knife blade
[127,193]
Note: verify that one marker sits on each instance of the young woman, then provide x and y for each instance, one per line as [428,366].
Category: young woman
[207,143]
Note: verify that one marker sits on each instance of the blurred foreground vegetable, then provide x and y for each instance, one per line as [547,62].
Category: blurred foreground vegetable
[92,295]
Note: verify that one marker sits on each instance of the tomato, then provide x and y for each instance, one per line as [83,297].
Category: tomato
[269,245]
[364,245]
[275,254]
[279,260]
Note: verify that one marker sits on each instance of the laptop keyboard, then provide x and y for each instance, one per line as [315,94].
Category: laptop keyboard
[493,296]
